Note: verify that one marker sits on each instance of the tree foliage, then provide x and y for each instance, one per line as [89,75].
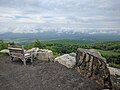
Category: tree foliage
[109,50]
[3,45]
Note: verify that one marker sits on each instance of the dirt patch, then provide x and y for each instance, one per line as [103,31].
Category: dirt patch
[41,75]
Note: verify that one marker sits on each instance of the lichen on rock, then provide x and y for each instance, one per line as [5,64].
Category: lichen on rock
[91,64]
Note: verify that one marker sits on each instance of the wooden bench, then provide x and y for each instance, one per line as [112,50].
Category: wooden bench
[19,52]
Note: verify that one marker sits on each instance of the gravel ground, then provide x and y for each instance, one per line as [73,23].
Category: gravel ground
[41,75]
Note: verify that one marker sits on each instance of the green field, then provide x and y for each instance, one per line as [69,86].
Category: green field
[108,53]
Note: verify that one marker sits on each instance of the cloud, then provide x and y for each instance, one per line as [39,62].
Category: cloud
[105,31]
[96,14]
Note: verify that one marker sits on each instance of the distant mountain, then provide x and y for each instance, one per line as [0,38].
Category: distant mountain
[56,35]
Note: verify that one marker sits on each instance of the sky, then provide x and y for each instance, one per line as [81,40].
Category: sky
[29,15]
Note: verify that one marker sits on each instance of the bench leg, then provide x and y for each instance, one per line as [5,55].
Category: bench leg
[31,59]
[11,58]
[24,61]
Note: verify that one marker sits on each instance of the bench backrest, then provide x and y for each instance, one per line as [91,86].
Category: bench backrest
[16,51]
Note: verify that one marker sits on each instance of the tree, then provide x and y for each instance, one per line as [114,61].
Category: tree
[3,45]
[39,44]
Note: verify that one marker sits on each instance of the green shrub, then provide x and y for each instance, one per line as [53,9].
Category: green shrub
[3,45]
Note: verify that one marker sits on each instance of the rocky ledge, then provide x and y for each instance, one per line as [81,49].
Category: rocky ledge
[41,75]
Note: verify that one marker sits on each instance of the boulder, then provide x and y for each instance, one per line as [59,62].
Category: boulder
[67,60]
[33,51]
[114,71]
[97,54]
[44,54]
[73,54]
[5,51]
[91,64]
[51,58]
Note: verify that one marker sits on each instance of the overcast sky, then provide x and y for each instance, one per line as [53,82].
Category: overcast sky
[27,14]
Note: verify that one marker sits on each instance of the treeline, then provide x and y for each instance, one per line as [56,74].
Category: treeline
[109,50]
[113,45]
[57,48]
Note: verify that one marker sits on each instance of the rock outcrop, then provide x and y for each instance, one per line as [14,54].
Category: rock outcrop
[92,65]
[114,71]
[44,54]
[33,51]
[88,62]
[67,60]
[41,76]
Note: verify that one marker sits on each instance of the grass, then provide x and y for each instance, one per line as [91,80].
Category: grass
[108,53]
[114,65]
[112,58]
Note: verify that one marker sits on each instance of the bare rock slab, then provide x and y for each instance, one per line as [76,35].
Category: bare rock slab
[44,54]
[67,60]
